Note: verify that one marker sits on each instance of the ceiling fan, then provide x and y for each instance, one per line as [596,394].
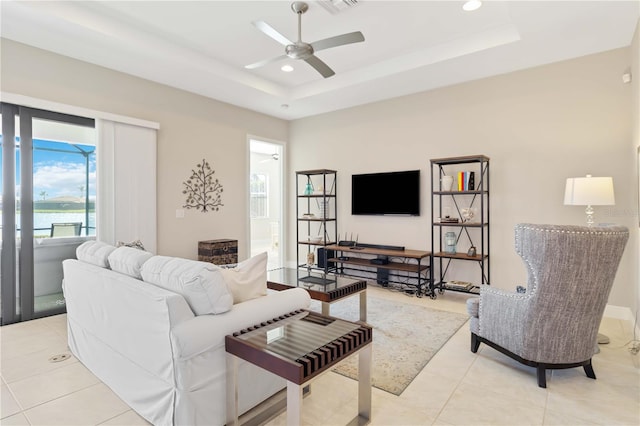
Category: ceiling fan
[301,49]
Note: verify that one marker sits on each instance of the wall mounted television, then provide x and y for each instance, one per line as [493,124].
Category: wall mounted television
[390,193]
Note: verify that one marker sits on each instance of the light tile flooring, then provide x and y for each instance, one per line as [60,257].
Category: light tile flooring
[456,387]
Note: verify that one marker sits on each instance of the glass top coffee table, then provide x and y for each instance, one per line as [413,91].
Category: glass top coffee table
[298,347]
[327,288]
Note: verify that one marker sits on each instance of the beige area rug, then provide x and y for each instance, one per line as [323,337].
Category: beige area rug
[405,338]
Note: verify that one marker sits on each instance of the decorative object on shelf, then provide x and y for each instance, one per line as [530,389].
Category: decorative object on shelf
[448,219]
[325,208]
[472,251]
[308,189]
[450,242]
[311,258]
[446,183]
[203,192]
[467,214]
[589,191]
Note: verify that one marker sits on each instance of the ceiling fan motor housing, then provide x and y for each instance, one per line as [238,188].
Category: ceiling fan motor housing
[299,50]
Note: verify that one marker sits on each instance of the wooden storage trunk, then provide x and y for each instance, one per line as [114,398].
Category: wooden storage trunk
[218,252]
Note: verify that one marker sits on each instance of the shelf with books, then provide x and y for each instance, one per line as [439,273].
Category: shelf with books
[459,219]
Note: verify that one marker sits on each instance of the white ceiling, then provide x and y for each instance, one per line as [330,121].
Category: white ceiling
[410,46]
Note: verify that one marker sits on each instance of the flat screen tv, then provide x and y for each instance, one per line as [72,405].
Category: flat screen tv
[391,193]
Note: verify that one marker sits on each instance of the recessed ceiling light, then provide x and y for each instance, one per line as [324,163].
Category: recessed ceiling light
[287,68]
[472,5]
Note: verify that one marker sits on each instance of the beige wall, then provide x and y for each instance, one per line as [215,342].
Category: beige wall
[635,148]
[538,126]
[191,128]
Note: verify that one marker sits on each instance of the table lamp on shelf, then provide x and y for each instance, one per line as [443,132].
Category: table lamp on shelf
[589,191]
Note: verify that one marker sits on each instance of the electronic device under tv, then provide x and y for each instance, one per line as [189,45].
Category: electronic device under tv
[390,193]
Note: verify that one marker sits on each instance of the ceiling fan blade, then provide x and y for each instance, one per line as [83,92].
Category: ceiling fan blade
[319,66]
[271,32]
[265,62]
[355,37]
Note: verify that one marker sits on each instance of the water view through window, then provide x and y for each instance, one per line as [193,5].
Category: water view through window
[64,187]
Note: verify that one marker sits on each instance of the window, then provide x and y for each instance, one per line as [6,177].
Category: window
[259,197]
[64,186]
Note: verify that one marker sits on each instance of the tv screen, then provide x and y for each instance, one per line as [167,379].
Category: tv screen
[391,193]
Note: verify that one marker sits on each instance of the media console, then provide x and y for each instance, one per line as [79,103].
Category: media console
[390,264]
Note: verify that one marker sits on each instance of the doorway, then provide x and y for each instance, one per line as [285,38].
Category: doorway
[266,200]
[48,206]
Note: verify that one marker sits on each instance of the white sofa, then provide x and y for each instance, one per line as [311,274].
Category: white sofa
[147,344]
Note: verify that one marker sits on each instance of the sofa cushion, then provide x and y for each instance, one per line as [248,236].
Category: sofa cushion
[95,252]
[199,283]
[128,261]
[248,279]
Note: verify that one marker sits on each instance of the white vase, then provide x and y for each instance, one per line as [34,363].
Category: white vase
[446,182]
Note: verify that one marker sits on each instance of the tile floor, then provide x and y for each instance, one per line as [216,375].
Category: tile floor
[457,387]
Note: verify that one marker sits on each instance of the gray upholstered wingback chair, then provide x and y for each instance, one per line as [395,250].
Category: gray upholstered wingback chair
[554,324]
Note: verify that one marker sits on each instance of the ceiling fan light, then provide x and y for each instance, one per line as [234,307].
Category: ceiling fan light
[287,68]
[471,5]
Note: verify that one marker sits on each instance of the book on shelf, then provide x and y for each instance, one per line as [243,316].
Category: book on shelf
[460,285]
[466,181]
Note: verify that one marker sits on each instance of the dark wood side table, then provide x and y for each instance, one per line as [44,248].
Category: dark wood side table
[327,288]
[299,347]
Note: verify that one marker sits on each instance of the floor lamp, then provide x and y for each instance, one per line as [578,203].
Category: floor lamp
[590,191]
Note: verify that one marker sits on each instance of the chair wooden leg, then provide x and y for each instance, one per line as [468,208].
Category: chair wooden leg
[588,369]
[475,343]
[542,377]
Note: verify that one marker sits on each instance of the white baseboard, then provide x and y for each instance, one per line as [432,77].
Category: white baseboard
[618,312]
[622,313]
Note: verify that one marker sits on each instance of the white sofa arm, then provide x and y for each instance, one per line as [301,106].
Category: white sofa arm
[206,332]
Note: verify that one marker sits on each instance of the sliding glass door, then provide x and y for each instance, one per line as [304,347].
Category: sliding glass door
[48,206]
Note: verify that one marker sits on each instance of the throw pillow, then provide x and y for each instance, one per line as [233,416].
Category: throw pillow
[248,280]
[135,244]
[95,252]
[204,290]
[128,261]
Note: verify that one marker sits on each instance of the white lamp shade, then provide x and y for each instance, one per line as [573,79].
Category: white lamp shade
[589,191]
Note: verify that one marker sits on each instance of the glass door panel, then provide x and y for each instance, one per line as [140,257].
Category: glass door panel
[64,194]
[51,195]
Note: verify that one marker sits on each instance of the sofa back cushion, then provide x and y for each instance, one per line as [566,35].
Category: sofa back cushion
[95,252]
[199,283]
[128,261]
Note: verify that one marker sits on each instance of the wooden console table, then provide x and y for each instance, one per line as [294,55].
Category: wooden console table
[416,264]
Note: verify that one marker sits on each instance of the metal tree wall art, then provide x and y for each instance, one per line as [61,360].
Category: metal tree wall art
[202,190]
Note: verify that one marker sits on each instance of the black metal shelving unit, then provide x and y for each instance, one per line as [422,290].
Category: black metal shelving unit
[315,216]
[448,208]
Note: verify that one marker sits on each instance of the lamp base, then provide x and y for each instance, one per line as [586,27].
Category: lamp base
[589,212]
